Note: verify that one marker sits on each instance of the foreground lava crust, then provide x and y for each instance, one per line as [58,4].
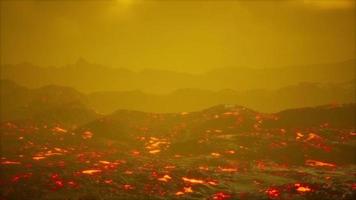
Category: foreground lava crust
[225,152]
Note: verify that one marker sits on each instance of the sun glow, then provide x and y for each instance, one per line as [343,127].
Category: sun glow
[329,5]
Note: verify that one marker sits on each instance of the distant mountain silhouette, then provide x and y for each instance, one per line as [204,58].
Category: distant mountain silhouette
[336,116]
[15,98]
[300,95]
[88,77]
[49,103]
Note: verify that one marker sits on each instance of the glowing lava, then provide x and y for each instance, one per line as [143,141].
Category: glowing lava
[194,181]
[301,188]
[10,163]
[91,171]
[272,193]
[165,178]
[221,196]
[315,163]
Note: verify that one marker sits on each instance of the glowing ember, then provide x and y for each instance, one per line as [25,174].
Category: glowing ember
[187,189]
[55,176]
[230,152]
[59,183]
[128,172]
[87,135]
[228,169]
[104,162]
[135,153]
[154,145]
[299,136]
[313,136]
[59,130]
[315,163]
[191,180]
[353,186]
[215,154]
[128,187]
[10,163]
[109,181]
[165,178]
[38,157]
[170,167]
[154,151]
[91,171]
[72,184]
[221,196]
[16,178]
[212,183]
[204,168]
[60,150]
[301,188]
[179,193]
[272,193]
[50,153]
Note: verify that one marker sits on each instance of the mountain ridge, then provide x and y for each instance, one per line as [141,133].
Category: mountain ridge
[184,100]
[95,77]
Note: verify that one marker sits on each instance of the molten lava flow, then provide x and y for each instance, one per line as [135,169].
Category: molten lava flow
[38,157]
[128,187]
[128,172]
[154,151]
[205,168]
[187,189]
[154,145]
[316,163]
[272,193]
[215,154]
[165,178]
[191,180]
[72,184]
[10,162]
[16,178]
[87,135]
[91,171]
[179,193]
[313,136]
[221,196]
[135,153]
[59,183]
[212,182]
[109,181]
[299,136]
[230,152]
[170,167]
[300,188]
[228,169]
[58,129]
[104,162]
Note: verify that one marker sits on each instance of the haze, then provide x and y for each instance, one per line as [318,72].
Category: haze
[185,36]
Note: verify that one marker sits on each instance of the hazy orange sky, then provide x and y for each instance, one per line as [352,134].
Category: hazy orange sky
[182,35]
